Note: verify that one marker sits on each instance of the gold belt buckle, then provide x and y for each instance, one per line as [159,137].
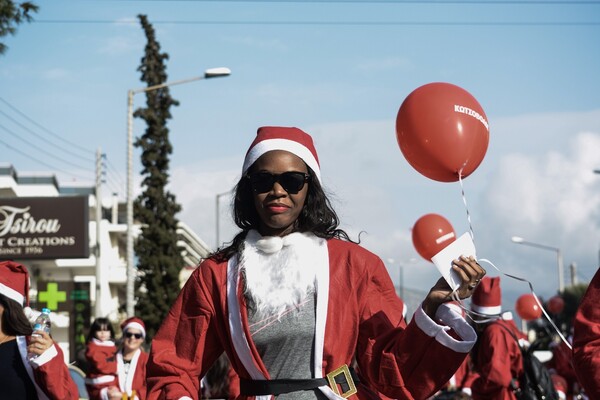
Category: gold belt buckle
[343,370]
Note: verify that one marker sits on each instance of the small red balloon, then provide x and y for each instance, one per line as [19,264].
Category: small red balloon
[430,234]
[442,130]
[556,304]
[528,308]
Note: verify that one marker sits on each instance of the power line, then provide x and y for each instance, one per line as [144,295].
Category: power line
[42,150]
[112,169]
[87,151]
[42,162]
[479,2]
[331,23]
[44,139]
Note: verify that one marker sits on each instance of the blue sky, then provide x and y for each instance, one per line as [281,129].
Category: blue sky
[340,71]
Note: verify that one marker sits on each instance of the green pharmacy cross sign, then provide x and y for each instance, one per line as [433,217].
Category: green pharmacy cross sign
[52,296]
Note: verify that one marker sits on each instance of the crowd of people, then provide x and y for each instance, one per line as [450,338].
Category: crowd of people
[294,308]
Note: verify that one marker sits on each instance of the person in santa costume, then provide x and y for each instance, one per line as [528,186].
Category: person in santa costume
[496,357]
[292,299]
[586,339]
[131,364]
[23,376]
[100,354]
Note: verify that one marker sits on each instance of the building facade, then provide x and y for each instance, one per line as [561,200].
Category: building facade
[78,267]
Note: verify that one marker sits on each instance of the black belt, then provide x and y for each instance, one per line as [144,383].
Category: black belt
[344,377]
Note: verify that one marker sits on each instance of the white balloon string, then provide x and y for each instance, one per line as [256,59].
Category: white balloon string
[462,189]
[534,296]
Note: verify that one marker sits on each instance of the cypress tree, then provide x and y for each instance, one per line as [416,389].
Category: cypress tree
[159,257]
[13,14]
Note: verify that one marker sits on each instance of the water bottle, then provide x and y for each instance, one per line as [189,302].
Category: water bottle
[42,323]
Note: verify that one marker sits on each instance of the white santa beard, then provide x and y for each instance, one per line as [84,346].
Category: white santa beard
[279,272]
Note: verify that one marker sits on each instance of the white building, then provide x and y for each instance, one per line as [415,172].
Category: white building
[106,275]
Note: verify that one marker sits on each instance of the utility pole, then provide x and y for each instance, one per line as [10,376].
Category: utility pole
[99,281]
[573,268]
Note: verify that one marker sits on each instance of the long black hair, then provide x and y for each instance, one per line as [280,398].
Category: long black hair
[14,320]
[100,324]
[317,215]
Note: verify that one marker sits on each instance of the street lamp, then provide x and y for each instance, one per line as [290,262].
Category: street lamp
[209,73]
[559,258]
[217,198]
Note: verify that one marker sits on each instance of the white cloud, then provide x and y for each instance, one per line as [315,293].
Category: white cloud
[119,45]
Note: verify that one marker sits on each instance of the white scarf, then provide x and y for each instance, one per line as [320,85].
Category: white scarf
[279,272]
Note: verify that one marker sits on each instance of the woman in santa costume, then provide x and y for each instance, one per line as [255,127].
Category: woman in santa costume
[586,339]
[292,300]
[131,364]
[21,376]
[496,357]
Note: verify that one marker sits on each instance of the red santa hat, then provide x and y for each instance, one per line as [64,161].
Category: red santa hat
[135,323]
[294,140]
[487,296]
[14,282]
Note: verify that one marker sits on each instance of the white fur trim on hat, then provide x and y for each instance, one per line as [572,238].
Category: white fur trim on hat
[135,325]
[282,144]
[12,294]
[495,310]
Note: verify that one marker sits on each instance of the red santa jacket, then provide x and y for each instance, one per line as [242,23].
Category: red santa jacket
[49,373]
[136,378]
[499,361]
[102,366]
[586,339]
[357,312]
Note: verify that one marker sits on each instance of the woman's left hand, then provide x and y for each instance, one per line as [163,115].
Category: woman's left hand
[40,342]
[470,273]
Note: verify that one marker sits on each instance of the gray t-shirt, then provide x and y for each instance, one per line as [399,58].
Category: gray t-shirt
[286,345]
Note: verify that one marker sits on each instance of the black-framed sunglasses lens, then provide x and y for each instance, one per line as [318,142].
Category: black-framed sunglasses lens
[136,335]
[292,182]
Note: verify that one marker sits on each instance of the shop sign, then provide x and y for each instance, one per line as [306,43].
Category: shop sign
[44,227]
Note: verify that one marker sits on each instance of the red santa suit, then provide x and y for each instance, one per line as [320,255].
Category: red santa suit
[497,358]
[357,312]
[499,361]
[102,366]
[586,339]
[49,373]
[135,379]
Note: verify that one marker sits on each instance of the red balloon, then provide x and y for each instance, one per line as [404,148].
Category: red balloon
[556,304]
[430,234]
[441,129]
[528,308]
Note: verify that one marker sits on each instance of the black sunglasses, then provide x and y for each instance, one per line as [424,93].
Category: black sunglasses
[292,182]
[129,335]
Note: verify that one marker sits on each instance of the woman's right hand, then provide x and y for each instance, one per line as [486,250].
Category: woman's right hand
[470,274]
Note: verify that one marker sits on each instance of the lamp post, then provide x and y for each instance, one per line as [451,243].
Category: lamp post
[217,198]
[559,258]
[209,73]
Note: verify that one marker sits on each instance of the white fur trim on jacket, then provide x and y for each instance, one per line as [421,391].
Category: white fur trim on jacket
[450,319]
[22,345]
[126,380]
[240,342]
